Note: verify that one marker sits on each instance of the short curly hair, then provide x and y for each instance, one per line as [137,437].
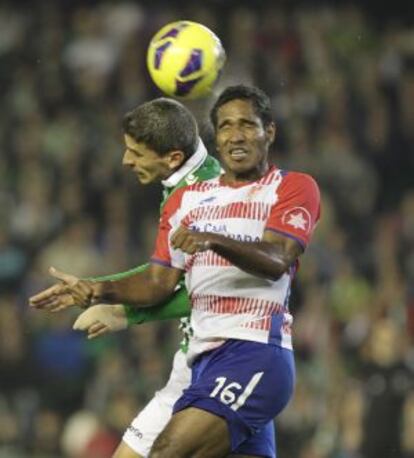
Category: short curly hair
[256,96]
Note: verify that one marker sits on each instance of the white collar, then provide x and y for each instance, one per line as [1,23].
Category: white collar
[191,164]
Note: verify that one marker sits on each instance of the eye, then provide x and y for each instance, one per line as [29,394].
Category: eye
[223,127]
[249,125]
[137,154]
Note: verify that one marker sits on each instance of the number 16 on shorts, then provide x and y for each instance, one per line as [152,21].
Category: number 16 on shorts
[232,393]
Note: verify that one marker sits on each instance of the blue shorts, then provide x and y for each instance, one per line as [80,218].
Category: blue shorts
[262,444]
[246,383]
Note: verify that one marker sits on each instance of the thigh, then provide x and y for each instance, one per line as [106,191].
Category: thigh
[244,456]
[193,432]
[246,383]
[148,424]
[262,444]
[124,451]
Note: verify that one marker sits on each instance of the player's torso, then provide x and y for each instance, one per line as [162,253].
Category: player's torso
[227,301]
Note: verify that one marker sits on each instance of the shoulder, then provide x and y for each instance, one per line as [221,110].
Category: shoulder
[184,192]
[205,184]
[210,168]
[173,201]
[299,190]
[292,181]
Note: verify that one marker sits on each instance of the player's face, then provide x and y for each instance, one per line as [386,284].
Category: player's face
[148,166]
[242,141]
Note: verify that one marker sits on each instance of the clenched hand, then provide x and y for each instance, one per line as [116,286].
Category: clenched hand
[101,319]
[192,241]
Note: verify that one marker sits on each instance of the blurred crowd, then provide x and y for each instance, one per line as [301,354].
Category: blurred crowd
[342,88]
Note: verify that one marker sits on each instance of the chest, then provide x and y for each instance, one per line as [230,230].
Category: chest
[236,212]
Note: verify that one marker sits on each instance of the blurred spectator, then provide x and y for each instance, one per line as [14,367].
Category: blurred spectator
[341,81]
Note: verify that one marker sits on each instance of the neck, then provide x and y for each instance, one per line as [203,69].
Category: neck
[189,166]
[232,178]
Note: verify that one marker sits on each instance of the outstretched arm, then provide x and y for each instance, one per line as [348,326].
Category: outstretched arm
[176,306]
[143,289]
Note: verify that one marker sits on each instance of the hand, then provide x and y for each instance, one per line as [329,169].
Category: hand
[101,319]
[191,241]
[68,292]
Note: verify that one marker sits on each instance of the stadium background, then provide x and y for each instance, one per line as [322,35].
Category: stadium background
[341,79]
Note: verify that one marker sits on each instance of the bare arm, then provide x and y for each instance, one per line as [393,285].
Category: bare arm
[269,258]
[142,289]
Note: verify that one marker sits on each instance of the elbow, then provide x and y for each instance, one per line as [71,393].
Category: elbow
[278,270]
[275,276]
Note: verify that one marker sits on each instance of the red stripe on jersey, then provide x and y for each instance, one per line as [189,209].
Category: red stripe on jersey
[162,250]
[258,211]
[270,176]
[235,305]
[202,186]
[261,323]
[210,259]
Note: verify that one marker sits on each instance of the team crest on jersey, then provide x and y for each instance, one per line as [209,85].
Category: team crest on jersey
[208,200]
[191,178]
[297,217]
[253,191]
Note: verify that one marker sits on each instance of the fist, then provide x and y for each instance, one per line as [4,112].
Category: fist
[191,241]
[101,319]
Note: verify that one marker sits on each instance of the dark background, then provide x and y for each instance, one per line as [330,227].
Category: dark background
[341,79]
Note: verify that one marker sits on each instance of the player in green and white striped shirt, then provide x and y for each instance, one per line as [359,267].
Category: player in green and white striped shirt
[162,144]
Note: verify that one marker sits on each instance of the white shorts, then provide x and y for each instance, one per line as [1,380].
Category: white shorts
[148,424]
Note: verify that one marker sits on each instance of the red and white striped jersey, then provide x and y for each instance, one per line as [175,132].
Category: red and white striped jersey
[226,301]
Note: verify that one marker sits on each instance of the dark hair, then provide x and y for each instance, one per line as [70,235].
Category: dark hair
[164,125]
[259,100]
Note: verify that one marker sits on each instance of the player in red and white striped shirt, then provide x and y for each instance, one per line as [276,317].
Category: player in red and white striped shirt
[238,239]
[229,302]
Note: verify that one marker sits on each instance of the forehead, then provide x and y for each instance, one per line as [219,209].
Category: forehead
[236,109]
[130,142]
[140,147]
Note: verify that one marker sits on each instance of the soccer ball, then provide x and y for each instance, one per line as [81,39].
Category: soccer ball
[185,59]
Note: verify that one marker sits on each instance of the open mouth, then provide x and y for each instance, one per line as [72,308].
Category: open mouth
[140,175]
[238,154]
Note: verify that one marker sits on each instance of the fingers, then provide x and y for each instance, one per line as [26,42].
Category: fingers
[62,276]
[184,240]
[70,291]
[93,328]
[82,293]
[179,237]
[45,295]
[87,318]
[48,297]
[190,242]
[97,329]
[101,319]
[60,303]
[61,296]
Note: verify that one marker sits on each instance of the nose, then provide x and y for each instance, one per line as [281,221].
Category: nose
[236,135]
[127,159]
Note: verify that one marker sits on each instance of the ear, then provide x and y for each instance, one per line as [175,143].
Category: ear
[175,159]
[271,132]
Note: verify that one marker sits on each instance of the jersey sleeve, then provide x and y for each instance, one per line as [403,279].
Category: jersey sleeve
[297,209]
[164,254]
